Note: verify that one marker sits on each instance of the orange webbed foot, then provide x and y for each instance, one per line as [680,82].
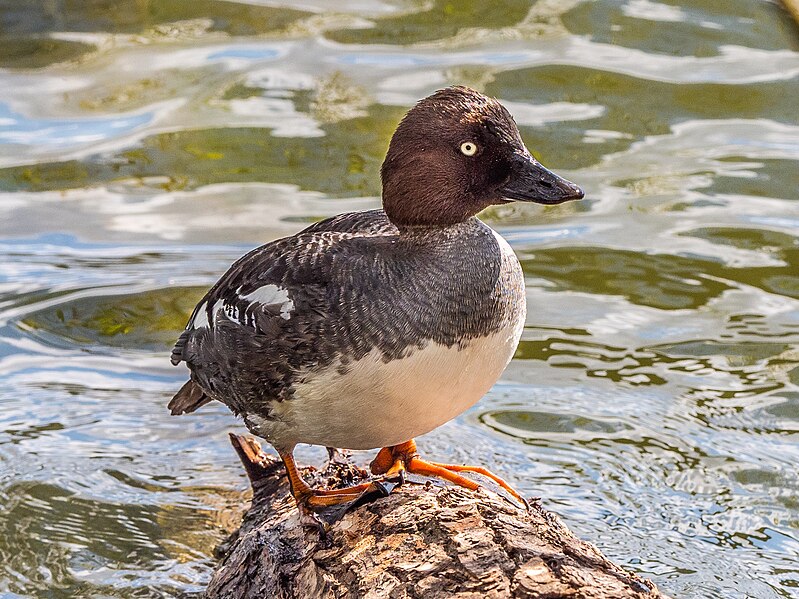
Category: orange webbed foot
[396,460]
[392,464]
[310,500]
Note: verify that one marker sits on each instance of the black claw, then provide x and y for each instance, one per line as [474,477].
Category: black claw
[515,501]
[365,497]
[310,520]
[322,529]
[379,490]
[399,479]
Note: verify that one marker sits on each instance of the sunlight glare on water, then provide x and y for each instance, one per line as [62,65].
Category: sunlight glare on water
[654,398]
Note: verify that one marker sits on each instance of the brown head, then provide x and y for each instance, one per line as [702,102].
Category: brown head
[454,154]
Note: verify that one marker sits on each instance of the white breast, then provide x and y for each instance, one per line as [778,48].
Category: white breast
[375,404]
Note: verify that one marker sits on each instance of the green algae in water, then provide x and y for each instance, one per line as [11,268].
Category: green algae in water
[149,320]
[193,158]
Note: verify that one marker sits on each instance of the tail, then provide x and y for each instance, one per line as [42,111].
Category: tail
[177,351]
[189,398]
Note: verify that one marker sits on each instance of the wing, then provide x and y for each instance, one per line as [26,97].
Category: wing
[267,264]
[331,294]
[271,313]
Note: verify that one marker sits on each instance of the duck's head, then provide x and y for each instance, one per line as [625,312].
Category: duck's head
[457,152]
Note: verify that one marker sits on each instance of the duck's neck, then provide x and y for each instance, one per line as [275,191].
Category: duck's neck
[437,231]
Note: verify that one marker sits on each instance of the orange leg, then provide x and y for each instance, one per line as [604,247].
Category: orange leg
[393,461]
[308,498]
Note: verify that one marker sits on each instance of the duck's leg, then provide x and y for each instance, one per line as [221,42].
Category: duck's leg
[309,499]
[395,460]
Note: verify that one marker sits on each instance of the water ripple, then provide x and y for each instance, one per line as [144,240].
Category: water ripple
[654,398]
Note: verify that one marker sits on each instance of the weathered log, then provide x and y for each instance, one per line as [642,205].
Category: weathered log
[423,540]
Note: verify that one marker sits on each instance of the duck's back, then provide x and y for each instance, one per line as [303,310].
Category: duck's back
[297,316]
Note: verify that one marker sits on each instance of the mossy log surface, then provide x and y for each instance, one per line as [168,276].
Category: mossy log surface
[422,541]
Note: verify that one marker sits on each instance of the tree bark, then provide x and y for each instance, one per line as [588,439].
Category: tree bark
[423,541]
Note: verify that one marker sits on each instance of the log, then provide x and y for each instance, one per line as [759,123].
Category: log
[422,541]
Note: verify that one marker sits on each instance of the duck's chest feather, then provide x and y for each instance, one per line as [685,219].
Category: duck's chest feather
[376,403]
[346,307]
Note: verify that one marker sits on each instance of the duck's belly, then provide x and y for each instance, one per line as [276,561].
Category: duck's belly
[375,404]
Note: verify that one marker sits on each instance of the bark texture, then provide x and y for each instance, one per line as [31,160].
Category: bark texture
[422,541]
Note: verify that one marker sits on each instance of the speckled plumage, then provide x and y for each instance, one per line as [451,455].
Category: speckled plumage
[356,285]
[370,328]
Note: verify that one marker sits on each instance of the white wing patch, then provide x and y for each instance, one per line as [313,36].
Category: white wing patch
[268,295]
[271,295]
[219,305]
[200,319]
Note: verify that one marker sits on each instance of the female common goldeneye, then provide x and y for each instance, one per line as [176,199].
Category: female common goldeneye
[370,328]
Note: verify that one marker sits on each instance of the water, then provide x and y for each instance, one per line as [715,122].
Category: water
[654,399]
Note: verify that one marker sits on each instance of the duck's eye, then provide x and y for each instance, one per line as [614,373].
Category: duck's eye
[469,148]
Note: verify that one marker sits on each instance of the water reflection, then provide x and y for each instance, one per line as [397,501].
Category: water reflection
[146,320]
[694,29]
[438,19]
[654,399]
[17,129]
[132,16]
[344,160]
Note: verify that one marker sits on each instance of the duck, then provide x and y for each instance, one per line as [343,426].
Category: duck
[369,329]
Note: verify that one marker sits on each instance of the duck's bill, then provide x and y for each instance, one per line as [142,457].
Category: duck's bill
[531,182]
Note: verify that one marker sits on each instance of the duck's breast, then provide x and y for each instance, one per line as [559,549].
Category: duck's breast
[375,403]
[387,397]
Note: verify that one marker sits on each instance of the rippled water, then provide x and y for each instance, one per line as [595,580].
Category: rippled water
[654,400]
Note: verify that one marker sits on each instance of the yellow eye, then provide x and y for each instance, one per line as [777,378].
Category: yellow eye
[469,148]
